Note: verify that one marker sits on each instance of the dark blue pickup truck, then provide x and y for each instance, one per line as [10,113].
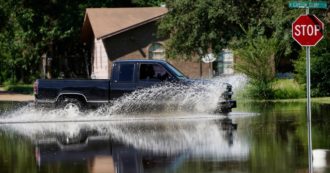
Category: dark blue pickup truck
[127,76]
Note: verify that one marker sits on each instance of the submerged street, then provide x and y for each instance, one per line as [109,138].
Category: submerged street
[256,137]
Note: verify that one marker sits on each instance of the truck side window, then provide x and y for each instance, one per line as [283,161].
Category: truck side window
[153,72]
[126,73]
[146,72]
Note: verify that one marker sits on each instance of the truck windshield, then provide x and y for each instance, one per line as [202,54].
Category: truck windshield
[176,72]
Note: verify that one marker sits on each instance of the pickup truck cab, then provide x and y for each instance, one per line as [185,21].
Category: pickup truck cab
[126,77]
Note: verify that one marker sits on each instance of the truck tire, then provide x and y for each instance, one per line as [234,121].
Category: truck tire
[71,103]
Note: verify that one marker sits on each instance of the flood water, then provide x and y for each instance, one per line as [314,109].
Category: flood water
[256,137]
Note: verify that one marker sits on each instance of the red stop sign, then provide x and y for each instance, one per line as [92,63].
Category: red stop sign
[307,30]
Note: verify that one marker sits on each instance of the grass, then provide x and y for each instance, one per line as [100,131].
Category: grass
[280,89]
[19,88]
[322,100]
[287,89]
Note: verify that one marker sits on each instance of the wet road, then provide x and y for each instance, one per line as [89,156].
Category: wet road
[267,137]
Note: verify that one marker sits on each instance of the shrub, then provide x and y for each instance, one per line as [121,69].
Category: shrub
[287,89]
[255,58]
[320,71]
[280,88]
[20,88]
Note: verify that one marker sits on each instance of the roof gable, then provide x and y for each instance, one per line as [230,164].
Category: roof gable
[107,22]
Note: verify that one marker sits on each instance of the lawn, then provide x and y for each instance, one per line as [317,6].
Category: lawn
[19,88]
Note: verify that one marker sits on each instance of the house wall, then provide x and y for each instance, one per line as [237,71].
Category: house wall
[191,68]
[134,44]
[100,61]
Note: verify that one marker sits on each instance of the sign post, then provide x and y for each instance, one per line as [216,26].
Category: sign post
[307,30]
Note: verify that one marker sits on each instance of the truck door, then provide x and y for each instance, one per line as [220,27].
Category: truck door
[123,79]
[150,74]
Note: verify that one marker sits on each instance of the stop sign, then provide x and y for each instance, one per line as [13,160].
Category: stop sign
[307,30]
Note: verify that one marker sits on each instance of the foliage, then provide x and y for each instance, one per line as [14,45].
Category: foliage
[19,88]
[260,30]
[256,60]
[203,25]
[284,89]
[287,89]
[31,28]
[320,72]
[196,26]
[148,3]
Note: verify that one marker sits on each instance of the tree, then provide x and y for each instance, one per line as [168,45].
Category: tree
[204,25]
[148,3]
[197,26]
[30,28]
[320,72]
[320,62]
[255,58]
[259,30]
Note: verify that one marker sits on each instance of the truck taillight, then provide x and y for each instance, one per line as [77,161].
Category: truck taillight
[35,87]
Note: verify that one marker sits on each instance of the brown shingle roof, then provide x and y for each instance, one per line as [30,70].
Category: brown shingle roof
[107,22]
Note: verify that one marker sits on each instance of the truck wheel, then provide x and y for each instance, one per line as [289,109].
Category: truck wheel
[71,103]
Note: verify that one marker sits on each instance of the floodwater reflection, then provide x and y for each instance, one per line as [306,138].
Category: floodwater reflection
[257,137]
[133,147]
[127,146]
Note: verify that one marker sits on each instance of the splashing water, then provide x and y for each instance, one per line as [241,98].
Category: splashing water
[29,113]
[202,96]
[197,98]
[237,81]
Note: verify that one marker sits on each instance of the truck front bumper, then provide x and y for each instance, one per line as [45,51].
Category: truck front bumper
[226,106]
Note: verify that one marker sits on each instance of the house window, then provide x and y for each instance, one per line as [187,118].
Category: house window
[156,51]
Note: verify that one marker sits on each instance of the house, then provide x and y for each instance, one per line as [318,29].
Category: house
[128,33]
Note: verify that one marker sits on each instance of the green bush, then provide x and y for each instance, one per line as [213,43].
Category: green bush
[261,90]
[320,71]
[279,89]
[254,92]
[320,74]
[287,89]
[255,58]
[19,88]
